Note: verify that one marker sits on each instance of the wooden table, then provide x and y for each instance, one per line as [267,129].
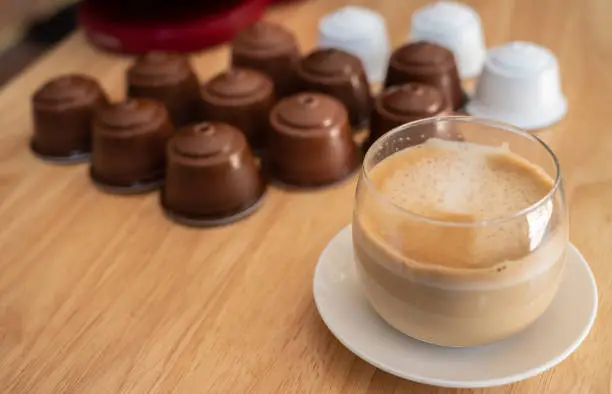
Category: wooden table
[101,294]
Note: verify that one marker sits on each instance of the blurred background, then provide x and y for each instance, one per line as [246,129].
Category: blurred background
[28,28]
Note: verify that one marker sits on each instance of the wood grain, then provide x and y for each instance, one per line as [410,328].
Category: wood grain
[101,294]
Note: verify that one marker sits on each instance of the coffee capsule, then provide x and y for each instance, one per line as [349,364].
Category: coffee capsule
[169,79]
[455,26]
[242,98]
[406,103]
[310,141]
[211,176]
[129,141]
[63,109]
[271,49]
[427,63]
[359,31]
[340,75]
[520,85]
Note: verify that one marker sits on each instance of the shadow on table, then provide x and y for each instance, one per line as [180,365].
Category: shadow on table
[40,36]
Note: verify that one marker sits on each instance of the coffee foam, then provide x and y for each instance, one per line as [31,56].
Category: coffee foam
[456,181]
[459,184]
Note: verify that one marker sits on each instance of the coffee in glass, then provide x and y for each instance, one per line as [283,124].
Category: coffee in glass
[460,241]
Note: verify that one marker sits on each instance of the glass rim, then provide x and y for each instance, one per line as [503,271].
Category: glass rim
[466,119]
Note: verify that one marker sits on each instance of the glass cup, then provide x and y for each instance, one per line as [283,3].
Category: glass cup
[450,281]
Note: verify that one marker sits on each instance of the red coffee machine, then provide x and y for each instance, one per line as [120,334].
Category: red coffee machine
[137,26]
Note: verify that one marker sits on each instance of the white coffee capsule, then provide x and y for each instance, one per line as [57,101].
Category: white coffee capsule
[456,27]
[520,84]
[361,32]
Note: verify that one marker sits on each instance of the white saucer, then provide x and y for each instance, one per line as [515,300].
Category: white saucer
[550,340]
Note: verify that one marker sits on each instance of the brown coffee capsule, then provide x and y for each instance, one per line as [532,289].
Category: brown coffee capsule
[406,103]
[271,49]
[63,109]
[427,63]
[310,141]
[129,141]
[242,98]
[211,176]
[340,75]
[167,78]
